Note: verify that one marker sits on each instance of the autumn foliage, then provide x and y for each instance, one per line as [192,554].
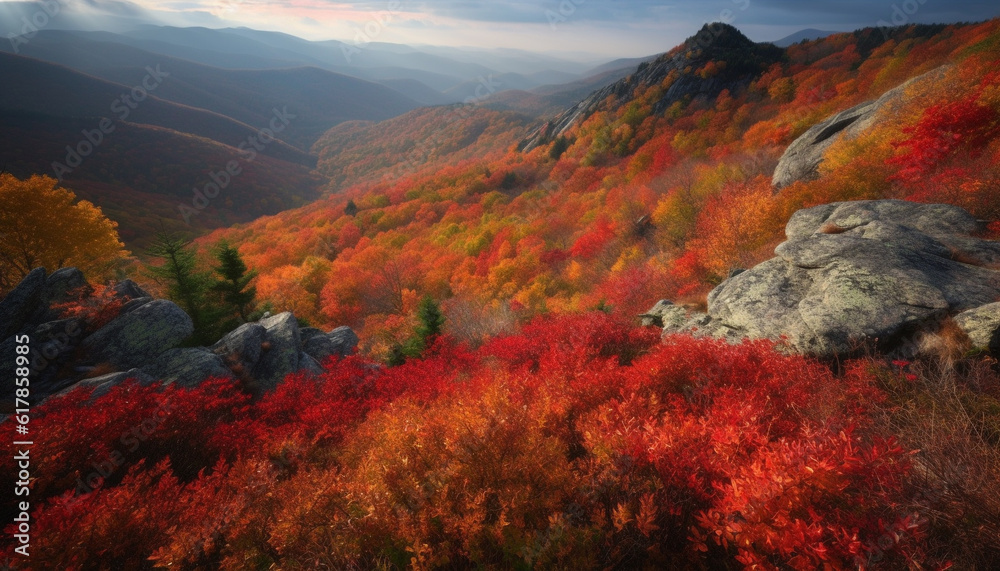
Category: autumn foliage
[44,225]
[554,436]
[579,441]
[675,195]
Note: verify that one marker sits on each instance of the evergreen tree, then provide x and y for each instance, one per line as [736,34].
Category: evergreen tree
[559,147]
[351,209]
[238,297]
[429,329]
[186,286]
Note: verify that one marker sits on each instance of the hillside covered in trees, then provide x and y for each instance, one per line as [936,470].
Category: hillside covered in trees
[657,193]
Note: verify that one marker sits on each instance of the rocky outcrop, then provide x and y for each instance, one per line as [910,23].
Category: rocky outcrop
[321,346]
[263,353]
[22,302]
[242,347]
[186,367]
[144,342]
[65,284]
[140,336]
[280,357]
[717,42]
[104,383]
[982,325]
[854,274]
[128,289]
[802,158]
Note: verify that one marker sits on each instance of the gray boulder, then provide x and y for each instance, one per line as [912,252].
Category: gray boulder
[186,367]
[129,289]
[339,342]
[65,284]
[309,365]
[654,315]
[139,336]
[857,273]
[802,158]
[133,304]
[243,345]
[280,356]
[680,319]
[24,301]
[105,383]
[52,345]
[982,325]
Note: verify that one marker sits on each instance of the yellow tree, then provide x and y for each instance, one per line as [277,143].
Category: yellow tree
[43,225]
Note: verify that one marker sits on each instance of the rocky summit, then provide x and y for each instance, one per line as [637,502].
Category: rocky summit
[859,274]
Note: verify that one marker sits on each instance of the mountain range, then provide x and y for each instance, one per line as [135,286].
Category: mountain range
[215,90]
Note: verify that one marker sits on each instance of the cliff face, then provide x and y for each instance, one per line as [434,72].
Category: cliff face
[736,60]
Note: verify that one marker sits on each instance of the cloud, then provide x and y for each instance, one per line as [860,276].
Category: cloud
[777,12]
[855,13]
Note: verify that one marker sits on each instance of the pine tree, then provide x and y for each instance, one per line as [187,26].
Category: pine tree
[429,329]
[238,297]
[186,286]
[351,209]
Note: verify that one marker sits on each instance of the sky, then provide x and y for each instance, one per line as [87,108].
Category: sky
[606,28]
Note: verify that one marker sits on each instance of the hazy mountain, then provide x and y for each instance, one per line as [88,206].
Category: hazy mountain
[140,174]
[807,34]
[618,64]
[576,90]
[51,89]
[319,98]
[418,91]
[94,15]
[552,98]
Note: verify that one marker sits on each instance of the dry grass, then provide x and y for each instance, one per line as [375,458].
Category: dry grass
[831,228]
[951,416]
[944,346]
[474,323]
[694,302]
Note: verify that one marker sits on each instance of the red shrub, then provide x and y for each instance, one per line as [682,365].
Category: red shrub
[96,309]
[580,441]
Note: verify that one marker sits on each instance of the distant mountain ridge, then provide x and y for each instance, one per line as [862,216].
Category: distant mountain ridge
[318,97]
[55,90]
[802,35]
